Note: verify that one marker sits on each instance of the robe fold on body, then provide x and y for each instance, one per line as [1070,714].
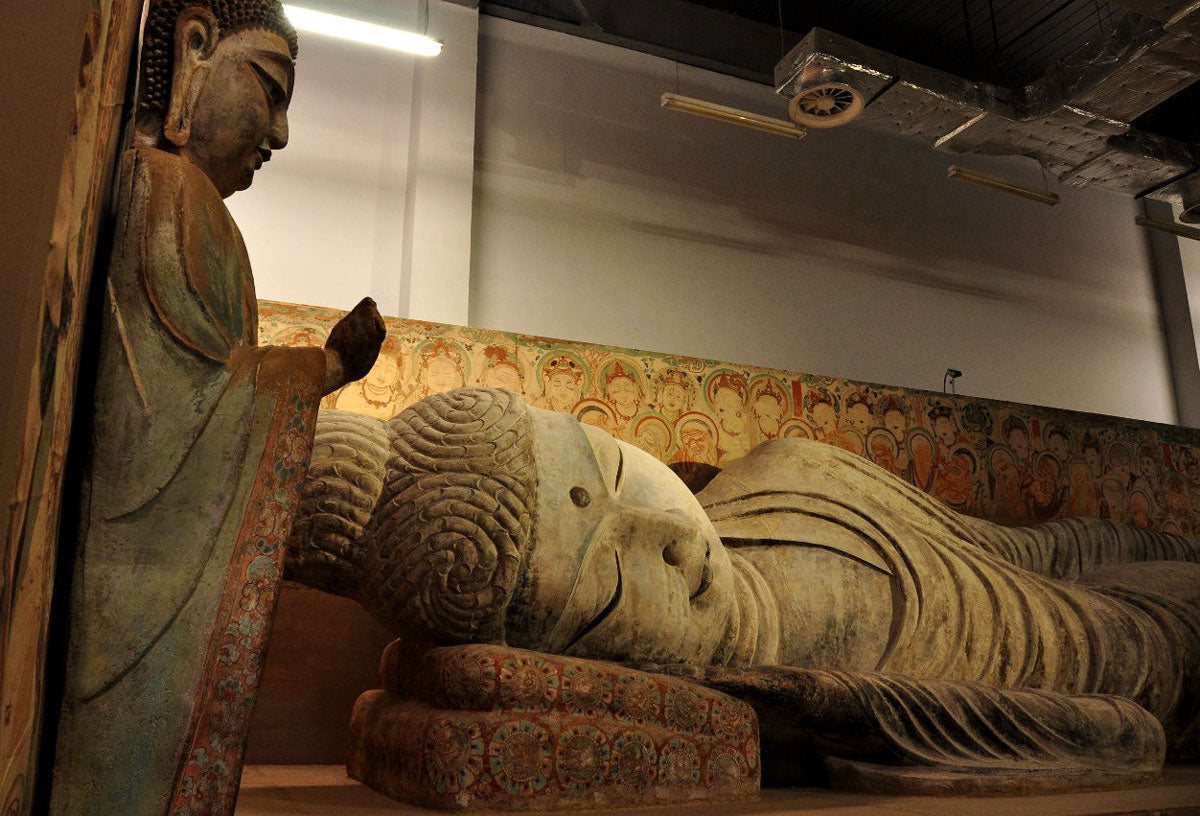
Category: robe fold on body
[201,440]
[1070,645]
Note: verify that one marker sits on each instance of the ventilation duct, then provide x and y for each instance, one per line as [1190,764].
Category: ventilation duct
[1075,119]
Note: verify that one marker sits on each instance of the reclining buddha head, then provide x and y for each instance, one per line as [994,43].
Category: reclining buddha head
[497,522]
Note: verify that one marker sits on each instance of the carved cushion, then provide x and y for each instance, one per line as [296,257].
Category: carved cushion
[508,729]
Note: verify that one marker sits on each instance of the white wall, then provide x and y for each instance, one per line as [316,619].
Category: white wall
[373,193]
[597,216]
[601,217]
[1189,252]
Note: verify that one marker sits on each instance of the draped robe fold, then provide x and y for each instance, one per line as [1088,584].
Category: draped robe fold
[201,440]
[1072,645]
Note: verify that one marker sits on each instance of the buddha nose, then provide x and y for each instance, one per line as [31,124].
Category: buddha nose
[684,544]
[277,137]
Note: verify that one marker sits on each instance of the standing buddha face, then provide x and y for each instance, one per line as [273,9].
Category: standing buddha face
[229,99]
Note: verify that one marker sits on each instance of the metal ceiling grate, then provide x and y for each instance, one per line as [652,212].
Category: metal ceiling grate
[1009,42]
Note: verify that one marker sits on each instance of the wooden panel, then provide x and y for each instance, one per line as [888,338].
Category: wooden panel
[31,538]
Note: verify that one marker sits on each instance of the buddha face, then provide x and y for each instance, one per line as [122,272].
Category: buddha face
[626,565]
[231,100]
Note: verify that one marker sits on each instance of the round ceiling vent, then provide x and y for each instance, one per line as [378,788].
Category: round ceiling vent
[827,105]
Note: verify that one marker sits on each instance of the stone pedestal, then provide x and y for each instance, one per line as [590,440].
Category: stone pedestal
[507,729]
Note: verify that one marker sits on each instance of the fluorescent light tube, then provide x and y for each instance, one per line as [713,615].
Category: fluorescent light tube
[1003,185]
[344,28]
[710,110]
[1168,226]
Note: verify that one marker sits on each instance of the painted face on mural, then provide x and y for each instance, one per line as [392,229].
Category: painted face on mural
[944,430]
[562,390]
[672,400]
[698,442]
[624,395]
[653,438]
[731,415]
[502,376]
[1058,445]
[595,417]
[1018,440]
[895,422]
[768,415]
[860,418]
[825,418]
[441,374]
[627,564]
[1119,463]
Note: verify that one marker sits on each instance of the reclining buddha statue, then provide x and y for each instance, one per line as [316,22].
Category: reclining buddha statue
[882,638]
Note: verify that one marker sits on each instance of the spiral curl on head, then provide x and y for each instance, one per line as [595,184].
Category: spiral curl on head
[158,48]
[345,479]
[455,518]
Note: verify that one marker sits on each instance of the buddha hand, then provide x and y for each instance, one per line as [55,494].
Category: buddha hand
[353,345]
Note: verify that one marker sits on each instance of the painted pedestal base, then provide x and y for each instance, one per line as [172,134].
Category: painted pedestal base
[507,729]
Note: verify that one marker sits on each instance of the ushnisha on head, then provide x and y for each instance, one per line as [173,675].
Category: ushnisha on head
[216,80]
[486,520]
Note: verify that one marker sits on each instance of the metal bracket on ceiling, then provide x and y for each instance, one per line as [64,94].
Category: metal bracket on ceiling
[588,22]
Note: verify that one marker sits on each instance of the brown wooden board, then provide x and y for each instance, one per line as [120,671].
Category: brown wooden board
[31,539]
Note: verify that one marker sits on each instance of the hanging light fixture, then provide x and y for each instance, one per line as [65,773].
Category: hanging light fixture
[1181,230]
[346,28]
[1003,185]
[734,116]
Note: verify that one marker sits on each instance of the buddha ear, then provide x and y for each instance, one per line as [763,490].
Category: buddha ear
[196,35]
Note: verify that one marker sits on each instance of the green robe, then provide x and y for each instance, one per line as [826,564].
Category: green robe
[201,440]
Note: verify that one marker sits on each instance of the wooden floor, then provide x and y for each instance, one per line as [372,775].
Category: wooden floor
[324,790]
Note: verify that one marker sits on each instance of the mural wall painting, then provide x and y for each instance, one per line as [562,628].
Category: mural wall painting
[998,460]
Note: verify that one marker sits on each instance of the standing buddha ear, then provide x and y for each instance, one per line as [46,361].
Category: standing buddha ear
[196,35]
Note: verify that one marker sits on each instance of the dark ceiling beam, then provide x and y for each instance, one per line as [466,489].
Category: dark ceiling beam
[671,29]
